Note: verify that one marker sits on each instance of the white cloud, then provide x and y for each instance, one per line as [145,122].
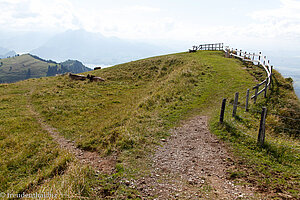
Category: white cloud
[142,21]
[36,15]
[132,9]
[59,15]
[289,10]
[269,28]
[283,22]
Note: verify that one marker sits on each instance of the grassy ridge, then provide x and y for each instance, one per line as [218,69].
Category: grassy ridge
[15,68]
[27,66]
[136,99]
[129,113]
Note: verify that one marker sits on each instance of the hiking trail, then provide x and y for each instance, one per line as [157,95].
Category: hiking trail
[189,163]
[93,159]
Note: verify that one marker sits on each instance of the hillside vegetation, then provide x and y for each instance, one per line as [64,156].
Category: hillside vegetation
[27,66]
[128,115]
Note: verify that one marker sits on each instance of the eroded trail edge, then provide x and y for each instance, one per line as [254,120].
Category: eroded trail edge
[93,159]
[192,164]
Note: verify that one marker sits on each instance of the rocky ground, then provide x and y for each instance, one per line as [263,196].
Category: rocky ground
[192,164]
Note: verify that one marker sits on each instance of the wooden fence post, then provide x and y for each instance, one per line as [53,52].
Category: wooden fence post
[247,100]
[255,94]
[266,87]
[222,111]
[235,103]
[271,74]
[262,127]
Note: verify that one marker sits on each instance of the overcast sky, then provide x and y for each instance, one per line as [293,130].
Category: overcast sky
[255,23]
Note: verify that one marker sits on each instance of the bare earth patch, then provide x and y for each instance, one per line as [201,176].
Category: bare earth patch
[192,164]
[93,159]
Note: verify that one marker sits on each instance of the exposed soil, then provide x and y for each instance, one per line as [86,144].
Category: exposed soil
[192,164]
[93,159]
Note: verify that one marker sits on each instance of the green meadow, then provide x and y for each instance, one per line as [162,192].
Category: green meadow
[129,114]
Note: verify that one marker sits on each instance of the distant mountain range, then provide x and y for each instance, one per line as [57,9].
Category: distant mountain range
[5,53]
[95,48]
[27,66]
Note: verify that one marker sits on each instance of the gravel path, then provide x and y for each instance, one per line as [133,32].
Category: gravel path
[191,164]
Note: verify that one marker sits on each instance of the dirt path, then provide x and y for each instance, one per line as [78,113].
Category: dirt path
[93,159]
[191,164]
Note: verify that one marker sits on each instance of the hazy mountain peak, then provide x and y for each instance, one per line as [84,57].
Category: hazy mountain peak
[4,53]
[95,48]
[3,50]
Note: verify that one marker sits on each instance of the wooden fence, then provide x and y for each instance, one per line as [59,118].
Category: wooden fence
[259,60]
[253,92]
[212,47]
[260,88]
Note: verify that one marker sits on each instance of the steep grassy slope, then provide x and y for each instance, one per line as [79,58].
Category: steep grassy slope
[126,115]
[274,168]
[28,66]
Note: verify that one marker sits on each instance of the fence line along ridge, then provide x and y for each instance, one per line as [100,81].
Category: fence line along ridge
[256,59]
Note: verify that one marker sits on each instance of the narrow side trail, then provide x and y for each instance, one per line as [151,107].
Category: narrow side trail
[93,159]
[192,164]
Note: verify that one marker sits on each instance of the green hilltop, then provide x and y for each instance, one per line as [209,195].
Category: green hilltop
[128,115]
[27,66]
